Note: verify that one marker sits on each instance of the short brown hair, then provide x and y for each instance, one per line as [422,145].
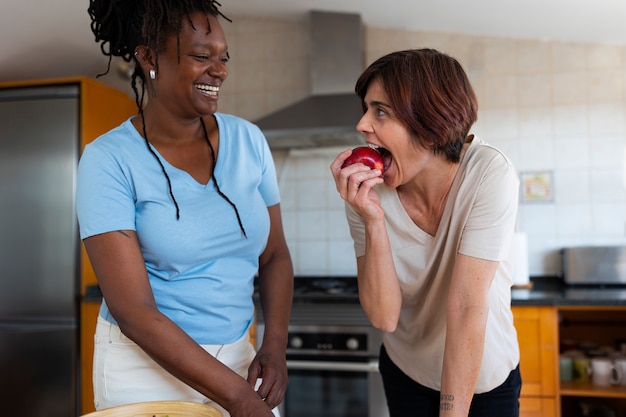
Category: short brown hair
[430,93]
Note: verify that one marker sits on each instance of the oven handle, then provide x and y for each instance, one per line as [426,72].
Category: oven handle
[371,366]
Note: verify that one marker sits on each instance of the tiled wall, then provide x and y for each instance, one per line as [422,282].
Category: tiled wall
[551,106]
[313,213]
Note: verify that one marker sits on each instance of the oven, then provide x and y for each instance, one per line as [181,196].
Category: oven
[332,359]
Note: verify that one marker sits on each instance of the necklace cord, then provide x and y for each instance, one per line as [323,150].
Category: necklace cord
[169,183]
[217,187]
[214,160]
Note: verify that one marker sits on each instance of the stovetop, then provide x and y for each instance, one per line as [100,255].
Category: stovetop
[325,301]
[325,289]
[333,286]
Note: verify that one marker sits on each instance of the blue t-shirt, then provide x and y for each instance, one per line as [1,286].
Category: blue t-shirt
[201,267]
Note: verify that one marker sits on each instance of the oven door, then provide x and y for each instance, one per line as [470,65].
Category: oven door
[334,387]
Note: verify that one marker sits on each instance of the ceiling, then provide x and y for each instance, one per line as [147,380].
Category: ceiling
[43,38]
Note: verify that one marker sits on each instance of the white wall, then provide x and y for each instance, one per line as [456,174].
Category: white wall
[550,106]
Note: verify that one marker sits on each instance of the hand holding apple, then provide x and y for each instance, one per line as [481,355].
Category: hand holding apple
[366,156]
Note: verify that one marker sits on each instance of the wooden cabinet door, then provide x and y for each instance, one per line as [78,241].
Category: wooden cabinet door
[538,407]
[102,108]
[537,332]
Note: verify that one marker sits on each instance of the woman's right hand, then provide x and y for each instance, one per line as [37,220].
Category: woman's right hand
[355,186]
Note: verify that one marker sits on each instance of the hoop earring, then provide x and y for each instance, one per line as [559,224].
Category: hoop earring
[152,73]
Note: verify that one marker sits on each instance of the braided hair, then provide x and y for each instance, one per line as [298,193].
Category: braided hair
[120,26]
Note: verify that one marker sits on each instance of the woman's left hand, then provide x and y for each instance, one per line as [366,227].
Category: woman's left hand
[271,371]
[275,281]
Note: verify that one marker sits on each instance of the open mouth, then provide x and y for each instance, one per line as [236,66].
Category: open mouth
[384,153]
[207,89]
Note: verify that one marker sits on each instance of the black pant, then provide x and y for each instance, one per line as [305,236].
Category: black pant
[407,398]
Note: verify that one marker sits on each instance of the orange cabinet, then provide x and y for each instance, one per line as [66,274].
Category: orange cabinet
[537,406]
[537,331]
[102,108]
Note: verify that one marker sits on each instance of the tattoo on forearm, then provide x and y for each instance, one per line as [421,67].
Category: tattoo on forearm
[123,233]
[446,402]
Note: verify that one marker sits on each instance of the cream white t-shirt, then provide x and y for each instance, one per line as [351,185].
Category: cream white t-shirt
[478,221]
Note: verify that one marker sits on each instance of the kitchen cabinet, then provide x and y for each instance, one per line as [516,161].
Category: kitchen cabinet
[537,328]
[600,326]
[102,108]
[541,331]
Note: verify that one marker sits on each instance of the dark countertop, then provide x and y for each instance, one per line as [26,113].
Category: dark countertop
[545,291]
[92,294]
[551,291]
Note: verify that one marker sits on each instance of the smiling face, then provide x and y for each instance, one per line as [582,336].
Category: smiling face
[192,68]
[404,158]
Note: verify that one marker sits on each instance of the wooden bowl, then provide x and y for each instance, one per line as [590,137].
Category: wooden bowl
[158,409]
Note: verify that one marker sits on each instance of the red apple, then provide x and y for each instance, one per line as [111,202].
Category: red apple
[367,156]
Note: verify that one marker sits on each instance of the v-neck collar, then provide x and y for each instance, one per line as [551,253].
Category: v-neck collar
[181,172]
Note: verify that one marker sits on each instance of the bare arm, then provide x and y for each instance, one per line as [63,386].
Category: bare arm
[467,311]
[276,292]
[121,272]
[379,288]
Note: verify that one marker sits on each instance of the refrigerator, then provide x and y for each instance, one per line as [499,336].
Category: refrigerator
[39,251]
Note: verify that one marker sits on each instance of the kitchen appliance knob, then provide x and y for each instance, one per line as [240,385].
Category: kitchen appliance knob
[352,343]
[296,342]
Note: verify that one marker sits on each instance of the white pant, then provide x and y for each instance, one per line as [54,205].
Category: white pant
[123,373]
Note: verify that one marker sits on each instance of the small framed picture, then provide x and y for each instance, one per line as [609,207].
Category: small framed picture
[536,186]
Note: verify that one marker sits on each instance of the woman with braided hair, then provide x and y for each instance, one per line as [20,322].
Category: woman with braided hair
[179,211]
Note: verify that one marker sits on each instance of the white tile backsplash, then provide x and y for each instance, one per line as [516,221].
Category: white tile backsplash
[320,240]
[312,257]
[569,87]
[312,225]
[608,221]
[537,154]
[341,259]
[605,56]
[573,187]
[500,91]
[604,85]
[607,186]
[571,153]
[606,119]
[605,153]
[499,123]
[310,193]
[570,120]
[533,57]
[573,221]
[568,56]
[534,90]
[535,121]
[337,227]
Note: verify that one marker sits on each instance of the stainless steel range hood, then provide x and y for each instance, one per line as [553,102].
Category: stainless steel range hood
[328,117]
